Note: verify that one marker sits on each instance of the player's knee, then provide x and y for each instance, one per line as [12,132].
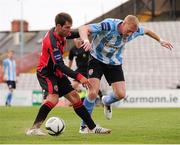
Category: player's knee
[120,95]
[92,95]
[53,98]
[74,98]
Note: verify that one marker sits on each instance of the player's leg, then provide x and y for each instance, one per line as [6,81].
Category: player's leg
[80,89]
[51,88]
[10,93]
[99,99]
[79,108]
[9,98]
[117,94]
[89,101]
[95,73]
[47,106]
[12,88]
[82,112]
[67,91]
[115,78]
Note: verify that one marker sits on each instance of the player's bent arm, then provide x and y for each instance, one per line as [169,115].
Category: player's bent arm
[73,34]
[84,31]
[73,74]
[84,81]
[66,70]
[59,63]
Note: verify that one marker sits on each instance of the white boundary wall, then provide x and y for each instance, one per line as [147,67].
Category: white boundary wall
[150,98]
[134,99]
[22,98]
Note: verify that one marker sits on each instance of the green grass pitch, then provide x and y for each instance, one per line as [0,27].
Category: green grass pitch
[129,126]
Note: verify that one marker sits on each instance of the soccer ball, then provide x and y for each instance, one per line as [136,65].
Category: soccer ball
[55,126]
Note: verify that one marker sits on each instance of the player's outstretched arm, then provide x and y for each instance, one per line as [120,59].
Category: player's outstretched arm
[166,44]
[155,36]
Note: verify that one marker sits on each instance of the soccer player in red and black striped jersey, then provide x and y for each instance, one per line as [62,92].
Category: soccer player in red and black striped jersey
[52,75]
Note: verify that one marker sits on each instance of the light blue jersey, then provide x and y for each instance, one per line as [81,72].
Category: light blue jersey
[108,43]
[9,69]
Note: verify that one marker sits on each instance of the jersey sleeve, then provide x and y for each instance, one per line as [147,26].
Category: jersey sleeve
[73,34]
[139,32]
[59,62]
[106,25]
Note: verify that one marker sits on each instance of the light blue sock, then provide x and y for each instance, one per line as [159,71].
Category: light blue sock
[9,98]
[89,106]
[109,99]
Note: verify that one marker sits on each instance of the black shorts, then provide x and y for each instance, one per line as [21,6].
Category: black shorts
[11,84]
[54,85]
[83,71]
[112,73]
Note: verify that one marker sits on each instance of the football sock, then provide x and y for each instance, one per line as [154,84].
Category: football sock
[42,114]
[84,115]
[109,99]
[89,106]
[9,98]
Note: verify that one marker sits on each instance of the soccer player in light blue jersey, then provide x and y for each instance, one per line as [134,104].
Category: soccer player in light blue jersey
[108,40]
[10,75]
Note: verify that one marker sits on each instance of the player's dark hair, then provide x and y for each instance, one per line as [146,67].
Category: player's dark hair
[61,19]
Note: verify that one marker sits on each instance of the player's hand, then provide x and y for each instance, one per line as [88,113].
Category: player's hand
[78,42]
[86,45]
[85,82]
[166,44]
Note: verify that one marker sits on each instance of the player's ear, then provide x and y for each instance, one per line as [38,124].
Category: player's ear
[58,26]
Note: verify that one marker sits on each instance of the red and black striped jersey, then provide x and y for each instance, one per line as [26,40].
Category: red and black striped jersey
[51,58]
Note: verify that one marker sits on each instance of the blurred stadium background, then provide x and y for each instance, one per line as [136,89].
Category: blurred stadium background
[152,73]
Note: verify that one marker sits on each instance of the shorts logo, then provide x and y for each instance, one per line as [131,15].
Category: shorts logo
[90,72]
[10,86]
[84,55]
[56,88]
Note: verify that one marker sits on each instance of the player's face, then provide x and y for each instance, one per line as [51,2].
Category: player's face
[65,29]
[129,29]
[10,54]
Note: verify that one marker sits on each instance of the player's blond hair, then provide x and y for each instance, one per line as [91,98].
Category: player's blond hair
[131,20]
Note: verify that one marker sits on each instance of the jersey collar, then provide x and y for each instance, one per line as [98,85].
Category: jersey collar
[117,25]
[59,38]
